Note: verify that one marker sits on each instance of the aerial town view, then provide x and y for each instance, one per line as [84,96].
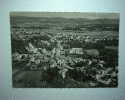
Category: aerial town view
[64,49]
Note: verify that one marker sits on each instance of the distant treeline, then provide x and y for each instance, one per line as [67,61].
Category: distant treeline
[31,27]
[91,27]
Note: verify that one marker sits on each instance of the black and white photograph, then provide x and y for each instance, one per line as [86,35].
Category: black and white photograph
[64,49]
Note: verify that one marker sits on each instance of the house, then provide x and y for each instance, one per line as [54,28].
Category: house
[77,51]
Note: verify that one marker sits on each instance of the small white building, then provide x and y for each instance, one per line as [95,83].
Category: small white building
[76,51]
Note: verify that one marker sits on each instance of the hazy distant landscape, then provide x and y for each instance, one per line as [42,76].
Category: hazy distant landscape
[64,52]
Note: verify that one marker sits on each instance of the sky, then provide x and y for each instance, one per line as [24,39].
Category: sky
[90,15]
